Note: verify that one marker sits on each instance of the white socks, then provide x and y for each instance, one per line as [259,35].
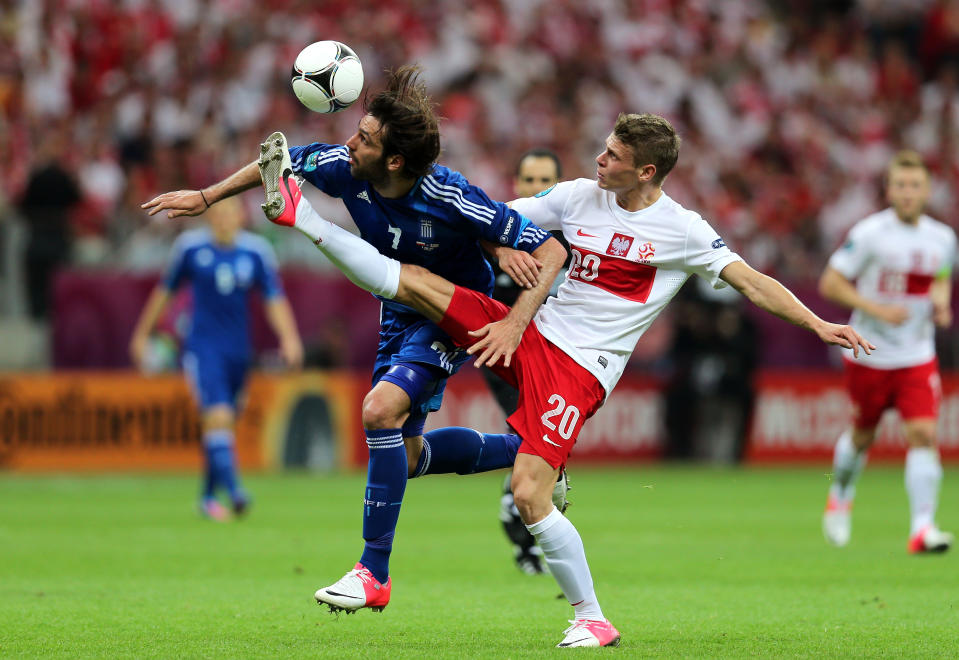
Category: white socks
[360,262]
[923,476]
[566,558]
[847,464]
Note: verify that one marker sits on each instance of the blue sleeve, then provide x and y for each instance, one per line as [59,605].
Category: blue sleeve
[530,236]
[326,166]
[489,219]
[176,270]
[267,273]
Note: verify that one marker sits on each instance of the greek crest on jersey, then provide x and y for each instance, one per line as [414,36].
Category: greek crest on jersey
[425,239]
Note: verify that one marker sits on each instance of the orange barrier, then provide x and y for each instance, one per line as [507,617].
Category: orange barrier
[798,416]
[124,421]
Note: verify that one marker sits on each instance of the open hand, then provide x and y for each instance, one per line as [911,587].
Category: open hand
[845,336]
[521,266]
[496,340]
[177,203]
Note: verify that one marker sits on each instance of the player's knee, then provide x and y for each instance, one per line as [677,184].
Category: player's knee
[921,436]
[533,503]
[427,292]
[381,414]
[414,275]
[413,281]
[217,418]
[862,439]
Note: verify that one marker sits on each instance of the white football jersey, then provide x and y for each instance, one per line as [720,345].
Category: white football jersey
[625,267]
[895,263]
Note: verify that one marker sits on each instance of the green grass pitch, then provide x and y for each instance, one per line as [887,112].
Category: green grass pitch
[687,562]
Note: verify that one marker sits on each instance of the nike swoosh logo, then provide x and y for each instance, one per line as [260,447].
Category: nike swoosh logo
[575,641]
[333,593]
[580,232]
[546,439]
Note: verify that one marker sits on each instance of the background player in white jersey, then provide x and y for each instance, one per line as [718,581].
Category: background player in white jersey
[633,247]
[901,261]
[223,264]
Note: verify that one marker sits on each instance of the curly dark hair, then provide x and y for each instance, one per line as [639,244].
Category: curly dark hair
[410,127]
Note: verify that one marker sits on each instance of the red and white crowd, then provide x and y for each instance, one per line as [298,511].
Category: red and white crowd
[788,110]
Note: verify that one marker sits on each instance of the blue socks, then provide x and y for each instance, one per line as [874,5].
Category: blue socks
[465,451]
[385,485]
[454,449]
[220,467]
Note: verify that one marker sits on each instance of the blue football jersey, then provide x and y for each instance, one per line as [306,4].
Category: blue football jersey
[222,278]
[436,225]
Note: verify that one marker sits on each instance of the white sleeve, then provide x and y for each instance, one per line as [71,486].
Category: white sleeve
[546,208]
[706,253]
[853,255]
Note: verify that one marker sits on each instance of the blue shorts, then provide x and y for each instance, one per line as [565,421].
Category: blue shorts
[215,378]
[406,337]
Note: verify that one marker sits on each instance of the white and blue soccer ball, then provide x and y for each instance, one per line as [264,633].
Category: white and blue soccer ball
[327,76]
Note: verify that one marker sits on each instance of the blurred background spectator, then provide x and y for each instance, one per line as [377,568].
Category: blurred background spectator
[48,199]
[709,393]
[788,110]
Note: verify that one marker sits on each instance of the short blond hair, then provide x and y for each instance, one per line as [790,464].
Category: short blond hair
[906,158]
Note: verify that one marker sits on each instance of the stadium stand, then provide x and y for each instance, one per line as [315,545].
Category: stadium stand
[788,111]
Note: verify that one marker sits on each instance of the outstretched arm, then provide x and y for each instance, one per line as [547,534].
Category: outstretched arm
[500,339]
[767,293]
[195,202]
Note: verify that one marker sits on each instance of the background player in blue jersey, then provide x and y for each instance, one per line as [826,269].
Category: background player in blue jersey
[223,264]
[412,210]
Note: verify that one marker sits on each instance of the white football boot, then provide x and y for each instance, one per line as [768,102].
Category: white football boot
[837,522]
[584,632]
[356,590]
[930,539]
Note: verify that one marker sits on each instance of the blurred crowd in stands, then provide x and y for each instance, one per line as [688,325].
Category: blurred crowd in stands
[788,110]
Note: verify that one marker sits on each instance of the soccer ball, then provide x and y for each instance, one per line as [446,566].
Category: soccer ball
[327,76]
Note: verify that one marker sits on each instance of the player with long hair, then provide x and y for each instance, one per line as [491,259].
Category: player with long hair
[633,247]
[412,210]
